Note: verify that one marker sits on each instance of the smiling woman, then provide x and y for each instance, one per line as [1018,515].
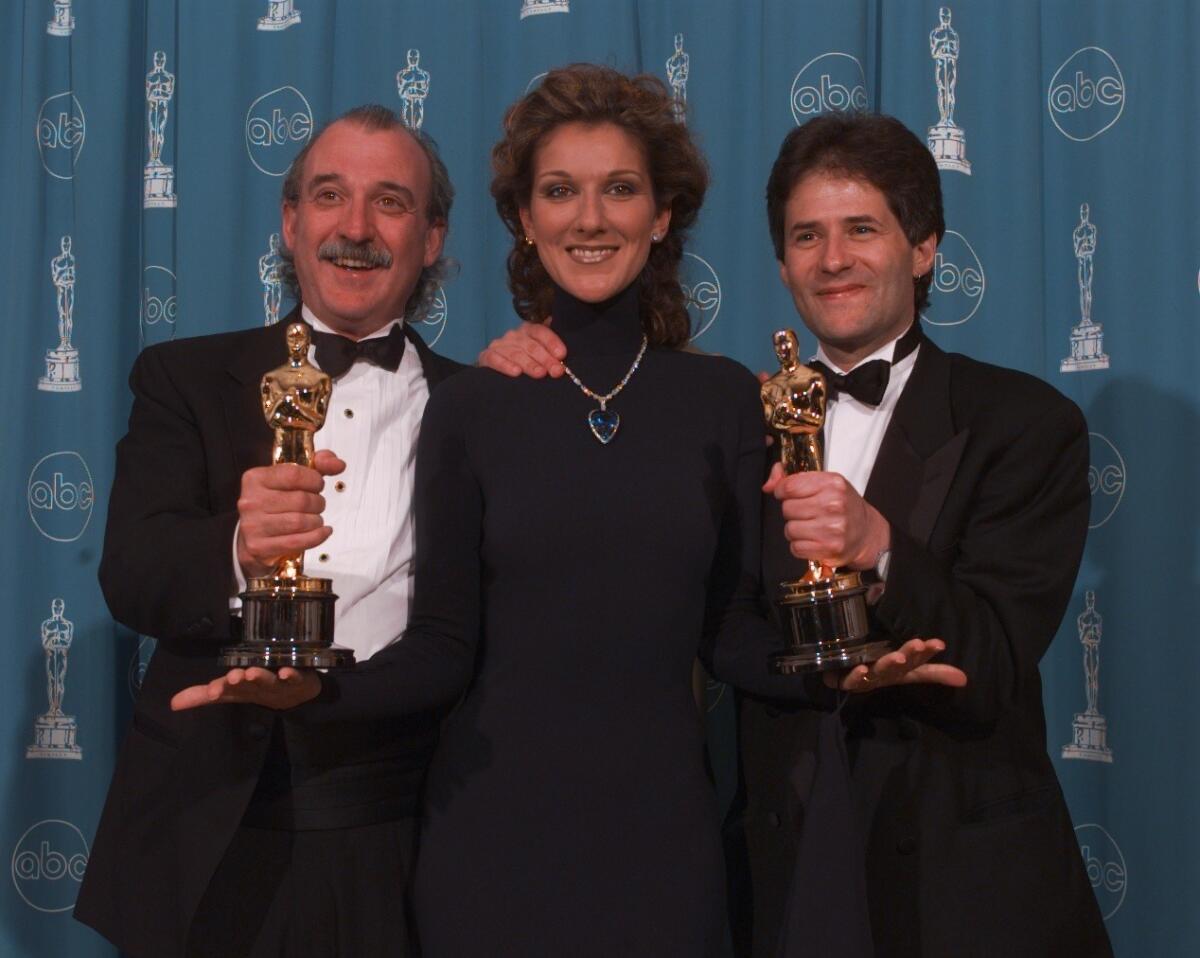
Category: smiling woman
[633,166]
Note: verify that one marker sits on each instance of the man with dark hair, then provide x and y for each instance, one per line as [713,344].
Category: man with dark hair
[248,833]
[961,489]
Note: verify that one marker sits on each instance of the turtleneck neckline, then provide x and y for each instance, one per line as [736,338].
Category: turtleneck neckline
[609,328]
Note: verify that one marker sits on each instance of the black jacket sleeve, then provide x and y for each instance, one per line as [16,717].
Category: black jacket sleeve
[167,563]
[997,594]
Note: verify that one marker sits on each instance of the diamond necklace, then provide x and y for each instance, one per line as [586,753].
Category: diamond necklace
[603,421]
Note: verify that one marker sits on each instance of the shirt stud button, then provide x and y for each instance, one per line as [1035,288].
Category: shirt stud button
[339,486]
[323,557]
[349,414]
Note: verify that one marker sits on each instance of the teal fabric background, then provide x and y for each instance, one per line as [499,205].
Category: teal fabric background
[1059,104]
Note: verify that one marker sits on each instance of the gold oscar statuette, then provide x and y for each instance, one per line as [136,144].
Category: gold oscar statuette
[825,608]
[287,617]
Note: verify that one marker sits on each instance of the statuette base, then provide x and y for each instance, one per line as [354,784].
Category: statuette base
[1091,738]
[288,622]
[1087,349]
[62,372]
[267,23]
[159,187]
[54,737]
[948,144]
[828,625]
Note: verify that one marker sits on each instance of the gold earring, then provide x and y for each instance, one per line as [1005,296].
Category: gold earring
[528,241]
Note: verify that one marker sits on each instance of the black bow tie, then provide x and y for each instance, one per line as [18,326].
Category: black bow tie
[336,354]
[868,382]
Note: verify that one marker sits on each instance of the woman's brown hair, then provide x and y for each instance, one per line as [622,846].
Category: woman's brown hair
[642,107]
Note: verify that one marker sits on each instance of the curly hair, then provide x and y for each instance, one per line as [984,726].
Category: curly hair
[875,148]
[642,107]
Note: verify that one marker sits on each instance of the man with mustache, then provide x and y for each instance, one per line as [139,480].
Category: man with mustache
[246,833]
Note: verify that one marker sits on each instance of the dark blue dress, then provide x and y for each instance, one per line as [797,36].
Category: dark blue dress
[568,586]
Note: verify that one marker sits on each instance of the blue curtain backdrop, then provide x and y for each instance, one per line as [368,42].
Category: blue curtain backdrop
[143,144]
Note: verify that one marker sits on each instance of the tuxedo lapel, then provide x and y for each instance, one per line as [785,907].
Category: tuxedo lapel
[920,451]
[435,367]
[249,436]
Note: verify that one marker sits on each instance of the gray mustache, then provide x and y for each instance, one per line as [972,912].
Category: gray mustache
[369,254]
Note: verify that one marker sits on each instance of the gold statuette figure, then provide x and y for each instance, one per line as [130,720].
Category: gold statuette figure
[287,617]
[825,609]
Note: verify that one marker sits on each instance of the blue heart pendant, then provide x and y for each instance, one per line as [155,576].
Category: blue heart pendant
[604,423]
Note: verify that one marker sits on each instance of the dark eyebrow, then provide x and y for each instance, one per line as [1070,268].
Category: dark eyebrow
[322,178]
[564,174]
[847,220]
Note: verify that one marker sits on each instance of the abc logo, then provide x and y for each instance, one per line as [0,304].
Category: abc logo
[958,282]
[277,125]
[48,865]
[158,309]
[832,81]
[1105,867]
[60,496]
[61,130]
[436,314]
[1086,95]
[1106,479]
[701,292]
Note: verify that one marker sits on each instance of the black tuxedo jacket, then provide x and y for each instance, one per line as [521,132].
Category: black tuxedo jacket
[969,849]
[183,780]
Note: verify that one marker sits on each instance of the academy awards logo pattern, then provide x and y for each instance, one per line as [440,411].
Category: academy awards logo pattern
[954,72]
[1106,479]
[61,132]
[1086,95]
[1089,738]
[159,178]
[831,81]
[678,66]
[62,361]
[48,863]
[159,309]
[958,282]
[270,267]
[60,495]
[281,14]
[435,317]
[278,124]
[62,21]
[530,8]
[1105,865]
[702,292]
[412,84]
[947,141]
[1087,338]
[54,731]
